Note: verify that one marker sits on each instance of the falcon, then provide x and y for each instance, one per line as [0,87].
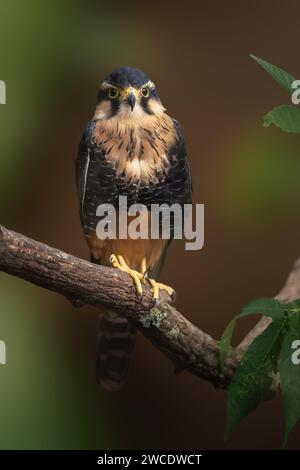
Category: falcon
[131,148]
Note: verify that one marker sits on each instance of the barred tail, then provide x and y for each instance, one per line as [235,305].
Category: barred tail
[115,343]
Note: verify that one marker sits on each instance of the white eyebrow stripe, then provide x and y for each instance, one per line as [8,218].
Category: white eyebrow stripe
[105,85]
[150,85]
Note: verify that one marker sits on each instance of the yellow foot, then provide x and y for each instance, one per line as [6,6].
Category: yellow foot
[119,263]
[158,285]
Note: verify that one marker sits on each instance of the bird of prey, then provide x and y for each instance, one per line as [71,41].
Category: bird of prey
[131,148]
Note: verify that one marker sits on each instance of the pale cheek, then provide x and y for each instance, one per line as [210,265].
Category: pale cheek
[103,110]
[156,107]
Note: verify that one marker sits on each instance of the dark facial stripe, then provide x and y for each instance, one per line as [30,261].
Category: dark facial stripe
[115,103]
[115,106]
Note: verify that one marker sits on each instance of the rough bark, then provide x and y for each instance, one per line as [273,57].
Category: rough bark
[85,283]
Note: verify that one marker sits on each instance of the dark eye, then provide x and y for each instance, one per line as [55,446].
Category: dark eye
[113,92]
[145,92]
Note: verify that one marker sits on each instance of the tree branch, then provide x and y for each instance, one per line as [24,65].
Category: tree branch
[86,283]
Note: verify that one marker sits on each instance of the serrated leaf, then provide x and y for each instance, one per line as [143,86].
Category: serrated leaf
[253,377]
[284,79]
[266,306]
[290,375]
[286,117]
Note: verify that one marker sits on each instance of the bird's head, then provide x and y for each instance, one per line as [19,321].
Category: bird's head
[129,94]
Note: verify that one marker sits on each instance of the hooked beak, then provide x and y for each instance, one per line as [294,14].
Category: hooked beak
[131,99]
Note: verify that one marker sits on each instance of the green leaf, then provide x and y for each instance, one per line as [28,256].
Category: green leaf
[283,78]
[266,306]
[290,375]
[286,117]
[253,377]
[290,308]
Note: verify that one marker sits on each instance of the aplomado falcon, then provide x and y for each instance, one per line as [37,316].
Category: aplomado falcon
[131,148]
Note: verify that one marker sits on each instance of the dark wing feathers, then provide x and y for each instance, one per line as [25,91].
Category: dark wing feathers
[95,181]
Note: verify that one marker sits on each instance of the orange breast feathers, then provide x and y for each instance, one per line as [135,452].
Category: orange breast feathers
[137,148]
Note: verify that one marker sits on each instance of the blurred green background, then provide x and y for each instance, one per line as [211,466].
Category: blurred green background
[53,57]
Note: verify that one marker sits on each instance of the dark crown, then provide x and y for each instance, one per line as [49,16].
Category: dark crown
[127,76]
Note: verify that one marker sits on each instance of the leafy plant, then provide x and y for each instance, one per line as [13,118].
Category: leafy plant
[286,117]
[272,351]
[269,353]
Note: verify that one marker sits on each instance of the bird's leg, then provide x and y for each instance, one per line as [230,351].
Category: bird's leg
[156,286]
[118,262]
[144,270]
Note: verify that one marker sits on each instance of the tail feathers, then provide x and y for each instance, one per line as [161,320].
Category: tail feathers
[115,343]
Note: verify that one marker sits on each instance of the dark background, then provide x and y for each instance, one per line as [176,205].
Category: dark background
[53,57]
